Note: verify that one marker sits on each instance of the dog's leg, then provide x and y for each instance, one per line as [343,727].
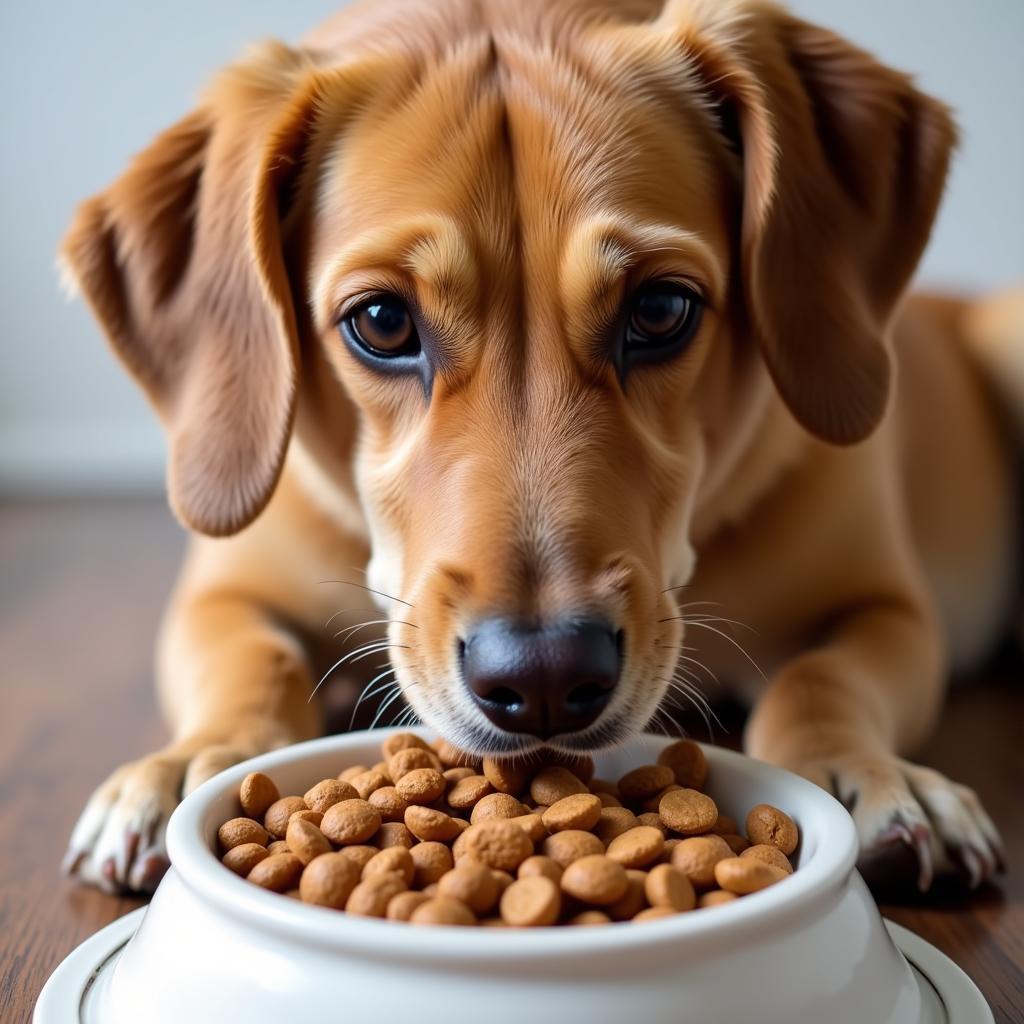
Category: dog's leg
[842,713]
[233,684]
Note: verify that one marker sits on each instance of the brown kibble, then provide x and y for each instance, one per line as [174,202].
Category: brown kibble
[369,782]
[539,865]
[370,898]
[565,847]
[645,781]
[638,847]
[554,783]
[532,825]
[770,855]
[430,860]
[496,805]
[688,763]
[632,901]
[396,859]
[401,906]
[468,790]
[278,846]
[351,772]
[498,843]
[328,880]
[696,858]
[390,804]
[409,760]
[714,898]
[256,794]
[472,883]
[653,913]
[609,800]
[381,768]
[313,817]
[768,826]
[442,910]
[421,786]
[453,775]
[589,917]
[277,872]
[241,832]
[688,812]
[276,818]
[746,875]
[652,803]
[350,822]
[242,859]
[579,811]
[395,833]
[506,776]
[327,793]
[451,757]
[667,886]
[725,826]
[402,741]
[652,820]
[359,855]
[502,879]
[305,840]
[666,854]
[595,879]
[737,844]
[612,822]
[430,825]
[531,902]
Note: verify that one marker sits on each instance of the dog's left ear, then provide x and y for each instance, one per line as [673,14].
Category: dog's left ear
[844,163]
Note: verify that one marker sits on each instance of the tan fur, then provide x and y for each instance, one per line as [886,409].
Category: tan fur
[836,482]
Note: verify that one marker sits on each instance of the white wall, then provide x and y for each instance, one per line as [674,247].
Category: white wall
[85,84]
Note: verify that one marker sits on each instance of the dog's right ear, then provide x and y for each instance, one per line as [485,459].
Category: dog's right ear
[181,261]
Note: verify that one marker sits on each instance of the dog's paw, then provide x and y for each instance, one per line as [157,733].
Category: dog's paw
[118,842]
[899,807]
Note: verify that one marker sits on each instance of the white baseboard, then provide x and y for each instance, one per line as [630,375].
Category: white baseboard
[120,457]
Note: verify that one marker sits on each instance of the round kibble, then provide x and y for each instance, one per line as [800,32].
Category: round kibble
[652,820]
[532,825]
[369,782]
[327,793]
[257,793]
[390,804]
[396,859]
[453,775]
[496,805]
[276,818]
[638,847]
[401,906]
[431,860]
[402,741]
[328,880]
[278,872]
[737,844]
[688,763]
[360,855]
[589,917]
[351,772]
[395,833]
[768,826]
[666,886]
[350,822]
[506,776]
[313,817]
[565,847]
[554,783]
[531,902]
[278,846]
[645,781]
[609,800]
[421,786]
[770,855]
[613,821]
[696,858]
[652,803]
[468,790]
[688,812]
[429,824]
[632,901]
[714,898]
[471,883]
[442,910]
[725,826]
[498,843]
[539,865]
[452,757]
[653,913]
[744,876]
[595,879]
[370,898]
[242,859]
[581,810]
[409,760]
[240,832]
[305,840]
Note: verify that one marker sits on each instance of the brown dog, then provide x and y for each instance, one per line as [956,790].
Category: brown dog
[574,322]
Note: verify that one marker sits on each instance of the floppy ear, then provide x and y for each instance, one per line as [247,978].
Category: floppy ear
[181,261]
[844,163]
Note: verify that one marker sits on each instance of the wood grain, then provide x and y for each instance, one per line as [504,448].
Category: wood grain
[81,589]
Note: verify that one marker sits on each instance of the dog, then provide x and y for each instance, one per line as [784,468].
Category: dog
[580,326]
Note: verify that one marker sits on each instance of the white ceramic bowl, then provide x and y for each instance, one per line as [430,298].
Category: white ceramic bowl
[809,950]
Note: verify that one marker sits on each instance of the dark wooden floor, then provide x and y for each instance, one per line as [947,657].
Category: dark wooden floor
[81,588]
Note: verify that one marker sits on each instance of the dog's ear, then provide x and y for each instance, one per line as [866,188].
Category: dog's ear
[844,163]
[181,261]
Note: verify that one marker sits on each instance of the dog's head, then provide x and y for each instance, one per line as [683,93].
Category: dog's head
[534,271]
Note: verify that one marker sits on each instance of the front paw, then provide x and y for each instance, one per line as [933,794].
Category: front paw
[118,842]
[903,808]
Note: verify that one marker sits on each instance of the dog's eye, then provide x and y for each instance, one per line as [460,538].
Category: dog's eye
[383,327]
[663,315]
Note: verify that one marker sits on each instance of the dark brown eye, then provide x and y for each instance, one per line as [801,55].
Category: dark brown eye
[383,327]
[663,315]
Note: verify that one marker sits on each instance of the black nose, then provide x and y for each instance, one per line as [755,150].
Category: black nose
[542,681]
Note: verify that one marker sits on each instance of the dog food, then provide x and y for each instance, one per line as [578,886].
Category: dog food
[429,835]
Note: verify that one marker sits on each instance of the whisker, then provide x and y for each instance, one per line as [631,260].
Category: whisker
[363,586]
[352,630]
[365,694]
[738,646]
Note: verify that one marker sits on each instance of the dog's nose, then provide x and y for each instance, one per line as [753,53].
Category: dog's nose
[542,681]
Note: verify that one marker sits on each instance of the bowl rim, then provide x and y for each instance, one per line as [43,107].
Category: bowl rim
[762,913]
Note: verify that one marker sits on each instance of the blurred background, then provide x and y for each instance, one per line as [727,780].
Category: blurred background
[88,84]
